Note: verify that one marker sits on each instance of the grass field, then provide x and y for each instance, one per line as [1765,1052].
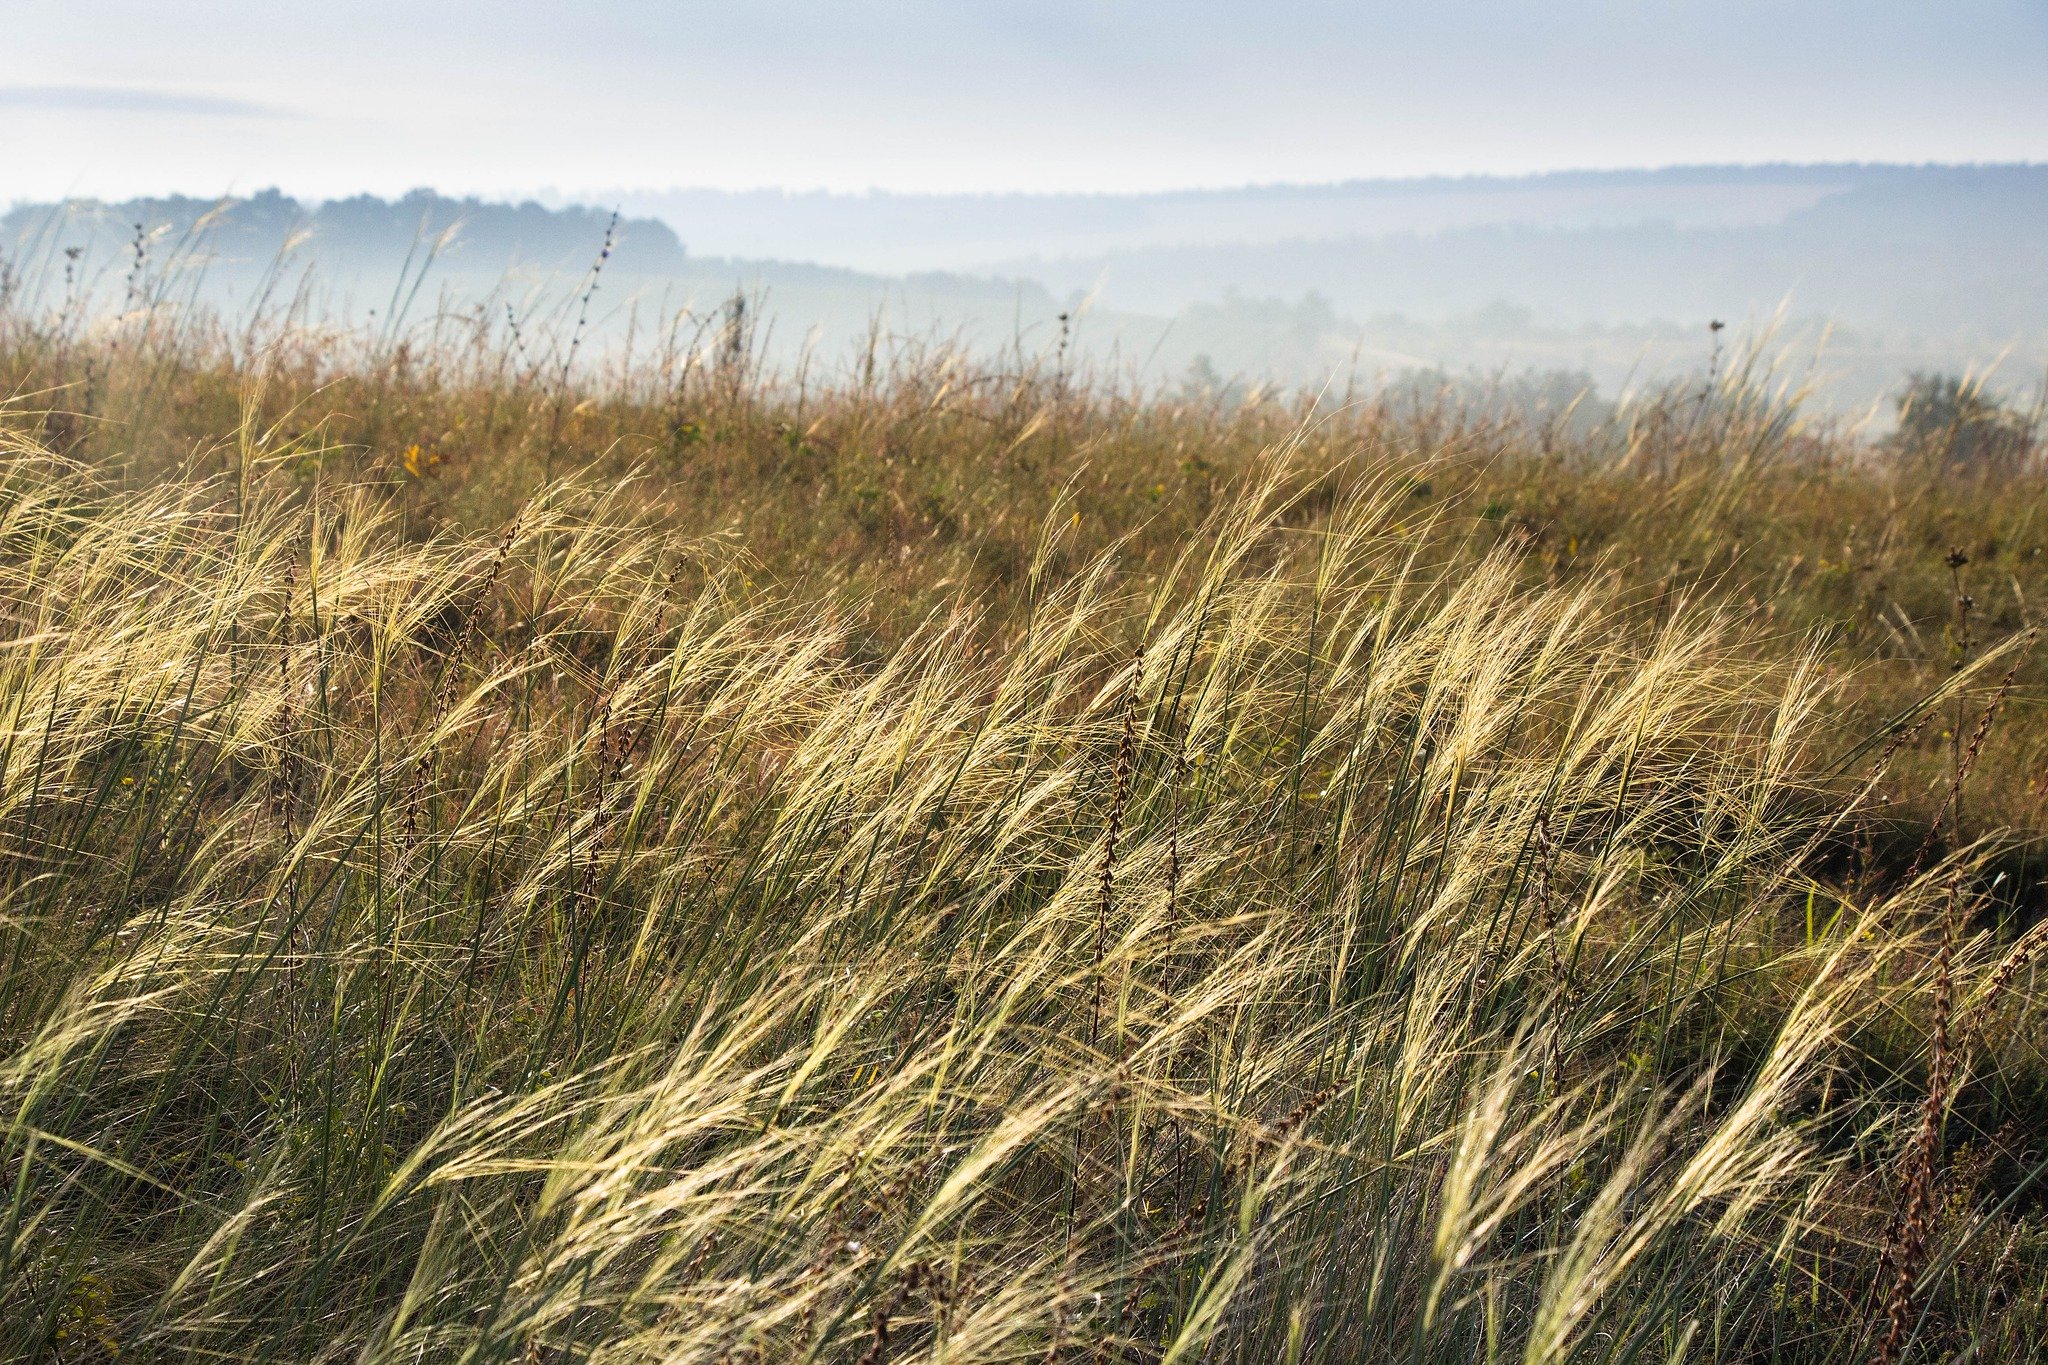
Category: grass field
[508,858]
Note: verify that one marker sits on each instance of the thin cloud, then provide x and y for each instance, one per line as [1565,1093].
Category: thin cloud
[134,100]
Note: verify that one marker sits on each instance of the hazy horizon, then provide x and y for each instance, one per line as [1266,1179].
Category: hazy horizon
[1475,182]
[1611,276]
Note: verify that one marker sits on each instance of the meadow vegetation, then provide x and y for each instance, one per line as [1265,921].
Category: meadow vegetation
[515,855]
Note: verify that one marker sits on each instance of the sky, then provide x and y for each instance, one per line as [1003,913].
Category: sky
[110,98]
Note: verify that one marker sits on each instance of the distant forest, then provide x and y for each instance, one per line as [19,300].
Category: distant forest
[1611,274]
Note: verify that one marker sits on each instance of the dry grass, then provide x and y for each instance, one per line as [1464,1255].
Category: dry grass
[965,863]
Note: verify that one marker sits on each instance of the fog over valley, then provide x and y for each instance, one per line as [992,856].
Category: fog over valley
[1847,275]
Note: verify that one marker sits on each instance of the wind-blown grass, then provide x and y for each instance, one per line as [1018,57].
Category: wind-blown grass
[967,863]
[544,945]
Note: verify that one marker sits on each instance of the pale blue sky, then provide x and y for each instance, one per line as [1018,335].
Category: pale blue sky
[112,97]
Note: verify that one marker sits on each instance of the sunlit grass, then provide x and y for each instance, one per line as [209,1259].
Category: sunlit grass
[456,914]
